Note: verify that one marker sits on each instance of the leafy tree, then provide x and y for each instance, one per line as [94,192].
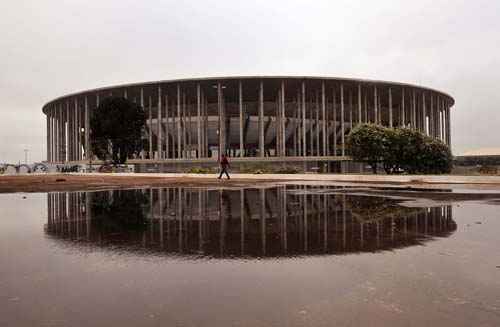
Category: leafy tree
[117,128]
[436,157]
[392,148]
[408,149]
[365,143]
[399,149]
[119,211]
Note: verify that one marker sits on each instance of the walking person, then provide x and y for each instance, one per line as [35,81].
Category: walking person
[224,165]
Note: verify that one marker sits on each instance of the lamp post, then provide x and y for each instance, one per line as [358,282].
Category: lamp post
[26,156]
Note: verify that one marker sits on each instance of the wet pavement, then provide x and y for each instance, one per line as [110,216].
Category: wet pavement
[286,255]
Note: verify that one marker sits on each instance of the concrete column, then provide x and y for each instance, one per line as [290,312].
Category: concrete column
[87,128]
[304,123]
[54,133]
[142,105]
[205,108]
[198,120]
[431,117]
[222,120]
[328,126]
[414,110]
[59,133]
[367,119]
[78,132]
[441,124]
[159,126]
[298,132]
[51,128]
[316,104]
[150,120]
[390,108]
[178,121]
[424,116]
[379,106]
[189,129]
[323,118]
[342,127]
[204,148]
[350,110]
[64,115]
[334,100]
[240,108]
[283,119]
[74,130]
[359,104]
[167,129]
[48,134]
[57,122]
[279,117]
[448,125]
[403,118]
[261,119]
[439,119]
[375,104]
[70,126]
[445,121]
[71,132]
[311,128]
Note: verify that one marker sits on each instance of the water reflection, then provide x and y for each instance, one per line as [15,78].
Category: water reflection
[271,222]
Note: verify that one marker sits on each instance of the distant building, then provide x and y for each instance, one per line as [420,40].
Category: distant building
[483,156]
[301,120]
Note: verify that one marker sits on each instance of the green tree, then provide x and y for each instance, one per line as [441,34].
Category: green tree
[117,128]
[366,143]
[398,150]
[413,152]
[436,157]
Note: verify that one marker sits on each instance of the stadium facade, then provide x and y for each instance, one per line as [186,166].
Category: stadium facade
[252,119]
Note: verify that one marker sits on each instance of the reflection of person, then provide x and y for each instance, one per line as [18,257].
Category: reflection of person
[224,165]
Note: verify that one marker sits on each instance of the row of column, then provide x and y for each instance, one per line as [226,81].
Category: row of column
[310,120]
[68,131]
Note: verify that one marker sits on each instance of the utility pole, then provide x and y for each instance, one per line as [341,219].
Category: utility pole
[26,156]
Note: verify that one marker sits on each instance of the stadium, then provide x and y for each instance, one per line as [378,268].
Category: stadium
[277,120]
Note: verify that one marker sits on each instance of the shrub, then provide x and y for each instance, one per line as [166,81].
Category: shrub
[365,143]
[199,170]
[399,149]
[287,170]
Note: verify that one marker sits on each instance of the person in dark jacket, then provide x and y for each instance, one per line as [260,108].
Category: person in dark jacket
[224,165]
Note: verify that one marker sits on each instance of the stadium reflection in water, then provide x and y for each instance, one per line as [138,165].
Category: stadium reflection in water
[242,223]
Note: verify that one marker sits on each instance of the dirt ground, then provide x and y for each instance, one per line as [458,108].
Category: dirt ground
[69,182]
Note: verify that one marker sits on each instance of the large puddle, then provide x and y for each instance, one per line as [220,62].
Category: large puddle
[289,255]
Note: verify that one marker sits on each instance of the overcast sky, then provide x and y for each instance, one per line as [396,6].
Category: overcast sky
[51,47]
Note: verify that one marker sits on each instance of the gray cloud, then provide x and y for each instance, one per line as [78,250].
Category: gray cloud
[49,48]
